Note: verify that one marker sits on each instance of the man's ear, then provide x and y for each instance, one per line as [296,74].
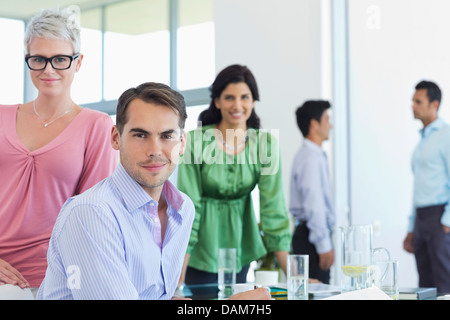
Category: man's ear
[115,137]
[314,124]
[435,105]
[183,143]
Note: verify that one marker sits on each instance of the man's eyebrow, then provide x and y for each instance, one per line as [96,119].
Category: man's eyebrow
[139,130]
[169,131]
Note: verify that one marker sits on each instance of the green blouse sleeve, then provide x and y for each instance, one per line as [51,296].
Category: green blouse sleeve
[273,211]
[190,182]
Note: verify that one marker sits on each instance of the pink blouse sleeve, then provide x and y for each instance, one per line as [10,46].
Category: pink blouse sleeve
[100,159]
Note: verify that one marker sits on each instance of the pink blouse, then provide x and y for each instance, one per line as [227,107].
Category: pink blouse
[34,185]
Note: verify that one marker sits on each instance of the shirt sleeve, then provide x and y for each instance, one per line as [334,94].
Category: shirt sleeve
[190,182]
[309,188]
[412,219]
[100,159]
[445,219]
[92,242]
[273,211]
[412,216]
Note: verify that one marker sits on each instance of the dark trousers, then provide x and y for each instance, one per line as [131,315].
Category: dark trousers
[195,276]
[432,249]
[301,245]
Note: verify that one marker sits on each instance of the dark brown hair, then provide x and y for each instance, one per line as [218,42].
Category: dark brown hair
[312,109]
[231,74]
[151,92]
[433,91]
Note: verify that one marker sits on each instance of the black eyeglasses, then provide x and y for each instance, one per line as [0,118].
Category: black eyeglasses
[59,62]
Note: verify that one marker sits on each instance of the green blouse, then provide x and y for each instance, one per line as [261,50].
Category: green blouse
[220,184]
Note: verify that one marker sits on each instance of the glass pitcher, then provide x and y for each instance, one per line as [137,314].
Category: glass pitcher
[358,271]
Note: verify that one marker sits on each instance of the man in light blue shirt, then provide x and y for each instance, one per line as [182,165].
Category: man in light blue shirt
[429,226]
[126,237]
[310,192]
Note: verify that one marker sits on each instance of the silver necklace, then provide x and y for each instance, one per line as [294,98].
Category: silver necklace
[46,124]
[234,148]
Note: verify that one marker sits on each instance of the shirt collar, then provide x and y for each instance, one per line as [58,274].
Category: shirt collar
[434,126]
[134,196]
[313,146]
[173,196]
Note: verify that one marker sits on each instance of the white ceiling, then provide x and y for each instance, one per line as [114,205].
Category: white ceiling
[126,16]
[25,9]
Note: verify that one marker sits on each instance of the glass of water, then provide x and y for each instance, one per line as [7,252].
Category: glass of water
[297,276]
[389,277]
[227,271]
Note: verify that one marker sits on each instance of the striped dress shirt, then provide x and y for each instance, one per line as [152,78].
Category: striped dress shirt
[106,243]
[310,194]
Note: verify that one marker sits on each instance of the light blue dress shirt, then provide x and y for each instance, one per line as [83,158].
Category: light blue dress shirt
[310,194]
[103,245]
[431,168]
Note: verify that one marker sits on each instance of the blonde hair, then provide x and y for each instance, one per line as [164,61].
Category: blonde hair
[54,24]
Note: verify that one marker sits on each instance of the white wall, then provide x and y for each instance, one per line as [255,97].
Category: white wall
[393,45]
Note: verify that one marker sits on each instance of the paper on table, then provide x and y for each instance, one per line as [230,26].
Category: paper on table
[372,293]
[11,292]
[323,289]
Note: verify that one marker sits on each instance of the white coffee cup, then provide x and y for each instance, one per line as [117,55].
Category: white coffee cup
[242,287]
[266,277]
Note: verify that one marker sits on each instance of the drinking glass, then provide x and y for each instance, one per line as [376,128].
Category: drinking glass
[297,276]
[227,271]
[389,277]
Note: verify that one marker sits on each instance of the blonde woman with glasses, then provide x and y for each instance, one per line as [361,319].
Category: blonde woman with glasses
[52,149]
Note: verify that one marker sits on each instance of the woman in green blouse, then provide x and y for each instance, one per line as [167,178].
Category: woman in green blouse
[225,159]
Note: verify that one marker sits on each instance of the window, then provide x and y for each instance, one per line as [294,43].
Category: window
[137,45]
[195,44]
[167,41]
[193,113]
[87,85]
[11,61]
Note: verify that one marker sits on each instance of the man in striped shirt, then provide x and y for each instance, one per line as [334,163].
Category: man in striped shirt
[126,237]
[311,203]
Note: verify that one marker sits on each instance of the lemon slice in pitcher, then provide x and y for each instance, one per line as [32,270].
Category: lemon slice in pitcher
[354,271]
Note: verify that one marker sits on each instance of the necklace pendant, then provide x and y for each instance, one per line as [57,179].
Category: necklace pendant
[49,123]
